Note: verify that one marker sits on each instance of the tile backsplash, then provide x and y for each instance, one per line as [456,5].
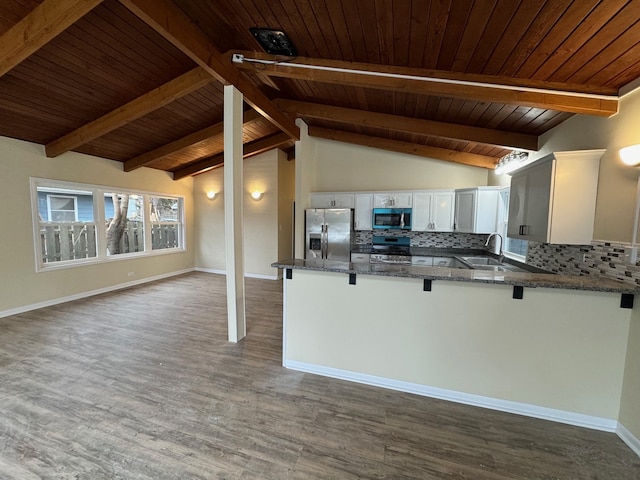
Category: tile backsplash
[600,258]
[609,259]
[428,239]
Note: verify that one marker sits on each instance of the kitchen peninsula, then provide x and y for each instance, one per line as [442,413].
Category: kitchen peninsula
[548,346]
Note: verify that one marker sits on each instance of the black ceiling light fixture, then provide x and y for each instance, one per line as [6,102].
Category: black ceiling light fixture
[274,42]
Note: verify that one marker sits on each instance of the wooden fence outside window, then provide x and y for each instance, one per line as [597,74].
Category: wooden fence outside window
[63,241]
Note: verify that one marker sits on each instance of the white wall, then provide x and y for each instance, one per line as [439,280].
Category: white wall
[345,167]
[21,285]
[325,165]
[261,218]
[555,348]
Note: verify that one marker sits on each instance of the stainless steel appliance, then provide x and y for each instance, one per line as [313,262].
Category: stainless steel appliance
[392,218]
[329,234]
[395,250]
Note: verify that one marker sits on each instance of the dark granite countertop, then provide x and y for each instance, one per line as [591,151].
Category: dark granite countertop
[523,279]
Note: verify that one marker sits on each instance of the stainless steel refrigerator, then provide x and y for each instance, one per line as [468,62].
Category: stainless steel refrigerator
[329,234]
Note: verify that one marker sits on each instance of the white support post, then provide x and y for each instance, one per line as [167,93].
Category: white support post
[233,193]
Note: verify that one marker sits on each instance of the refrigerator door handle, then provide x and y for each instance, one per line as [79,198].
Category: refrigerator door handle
[326,241]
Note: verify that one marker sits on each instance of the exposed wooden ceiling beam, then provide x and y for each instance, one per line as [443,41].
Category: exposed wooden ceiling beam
[169,20]
[564,97]
[150,101]
[249,150]
[404,147]
[410,125]
[45,22]
[195,140]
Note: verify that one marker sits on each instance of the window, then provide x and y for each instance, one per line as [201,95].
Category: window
[124,216]
[164,214]
[77,224]
[514,248]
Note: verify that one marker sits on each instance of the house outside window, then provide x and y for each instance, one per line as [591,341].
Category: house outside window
[76,224]
[62,208]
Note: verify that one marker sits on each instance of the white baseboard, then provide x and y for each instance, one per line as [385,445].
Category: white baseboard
[247,275]
[90,293]
[627,437]
[211,270]
[561,416]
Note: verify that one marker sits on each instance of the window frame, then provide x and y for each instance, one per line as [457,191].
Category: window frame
[99,215]
[503,220]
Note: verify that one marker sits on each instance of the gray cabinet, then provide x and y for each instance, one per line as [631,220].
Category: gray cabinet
[553,200]
[476,210]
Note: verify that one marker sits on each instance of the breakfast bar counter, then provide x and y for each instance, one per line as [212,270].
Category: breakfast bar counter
[543,345]
[524,279]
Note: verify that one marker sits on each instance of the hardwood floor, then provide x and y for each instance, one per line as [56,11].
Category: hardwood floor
[142,384]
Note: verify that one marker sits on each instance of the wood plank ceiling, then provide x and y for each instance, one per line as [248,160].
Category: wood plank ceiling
[140,81]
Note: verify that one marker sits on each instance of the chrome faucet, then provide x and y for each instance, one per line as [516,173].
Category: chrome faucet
[499,251]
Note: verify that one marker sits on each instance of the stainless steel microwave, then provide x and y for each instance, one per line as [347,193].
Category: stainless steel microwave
[392,218]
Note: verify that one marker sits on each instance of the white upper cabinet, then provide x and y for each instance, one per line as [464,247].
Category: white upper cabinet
[332,200]
[433,211]
[553,200]
[364,211]
[476,209]
[392,200]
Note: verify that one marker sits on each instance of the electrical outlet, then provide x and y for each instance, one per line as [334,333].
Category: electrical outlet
[130,274]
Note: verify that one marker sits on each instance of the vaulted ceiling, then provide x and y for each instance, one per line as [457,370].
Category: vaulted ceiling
[140,81]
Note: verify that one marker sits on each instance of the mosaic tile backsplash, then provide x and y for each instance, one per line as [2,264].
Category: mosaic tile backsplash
[600,258]
[428,239]
[609,259]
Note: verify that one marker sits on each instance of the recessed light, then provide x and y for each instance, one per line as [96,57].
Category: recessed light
[273,41]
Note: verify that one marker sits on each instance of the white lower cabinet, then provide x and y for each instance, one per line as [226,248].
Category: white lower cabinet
[433,211]
[364,211]
[360,258]
[422,261]
[442,261]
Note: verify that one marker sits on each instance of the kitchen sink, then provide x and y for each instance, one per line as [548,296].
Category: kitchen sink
[489,264]
[481,261]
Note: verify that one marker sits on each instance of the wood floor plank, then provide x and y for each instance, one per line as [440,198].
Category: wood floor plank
[142,384]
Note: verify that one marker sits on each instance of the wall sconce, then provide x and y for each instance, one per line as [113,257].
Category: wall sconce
[630,155]
[256,195]
[211,195]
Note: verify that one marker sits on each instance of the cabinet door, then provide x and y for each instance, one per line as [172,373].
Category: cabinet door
[343,200]
[517,205]
[537,202]
[321,200]
[422,261]
[382,200]
[422,207]
[363,213]
[465,211]
[401,200]
[359,258]
[442,211]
